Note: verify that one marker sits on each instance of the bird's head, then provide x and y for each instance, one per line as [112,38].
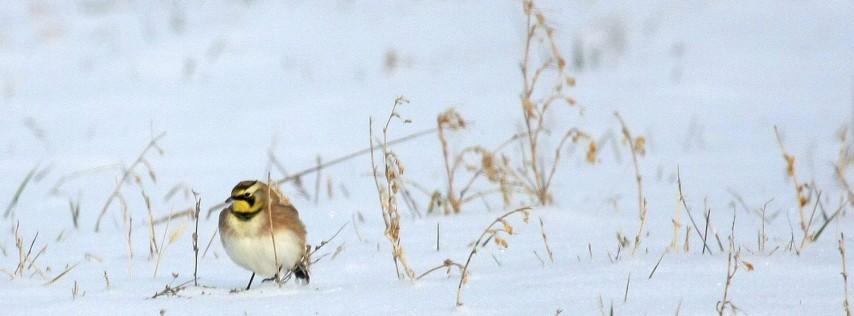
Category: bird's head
[249,196]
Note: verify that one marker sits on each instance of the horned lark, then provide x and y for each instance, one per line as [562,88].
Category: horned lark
[261,232]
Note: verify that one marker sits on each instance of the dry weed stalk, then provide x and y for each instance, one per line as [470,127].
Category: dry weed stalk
[152,240]
[490,233]
[677,225]
[845,305]
[804,193]
[129,240]
[800,188]
[394,169]
[733,262]
[451,120]
[162,248]
[196,239]
[535,101]
[278,276]
[731,268]
[312,250]
[447,264]
[61,274]
[637,146]
[846,158]
[128,173]
[546,241]
[486,165]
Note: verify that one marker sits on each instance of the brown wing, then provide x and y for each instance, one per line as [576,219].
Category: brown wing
[284,216]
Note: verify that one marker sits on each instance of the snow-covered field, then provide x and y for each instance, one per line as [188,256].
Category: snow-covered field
[86,84]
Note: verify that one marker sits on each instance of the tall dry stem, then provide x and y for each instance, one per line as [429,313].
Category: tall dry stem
[388,193]
[487,234]
[638,148]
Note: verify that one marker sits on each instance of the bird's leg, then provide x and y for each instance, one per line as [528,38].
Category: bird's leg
[279,277]
[250,281]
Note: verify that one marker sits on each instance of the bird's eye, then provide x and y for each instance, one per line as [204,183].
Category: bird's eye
[246,195]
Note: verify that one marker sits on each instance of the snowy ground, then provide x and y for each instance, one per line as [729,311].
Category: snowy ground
[85,84]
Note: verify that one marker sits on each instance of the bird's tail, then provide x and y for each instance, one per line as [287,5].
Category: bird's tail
[301,272]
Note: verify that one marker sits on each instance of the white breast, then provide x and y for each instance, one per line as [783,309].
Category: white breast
[255,253]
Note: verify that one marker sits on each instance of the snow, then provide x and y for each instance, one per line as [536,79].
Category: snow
[87,83]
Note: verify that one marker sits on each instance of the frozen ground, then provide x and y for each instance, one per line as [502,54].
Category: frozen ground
[85,84]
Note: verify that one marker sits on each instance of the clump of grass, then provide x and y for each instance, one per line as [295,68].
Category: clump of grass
[804,193]
[393,170]
[490,233]
[538,97]
[26,257]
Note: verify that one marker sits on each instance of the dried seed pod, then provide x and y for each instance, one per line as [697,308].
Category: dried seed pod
[591,153]
[640,145]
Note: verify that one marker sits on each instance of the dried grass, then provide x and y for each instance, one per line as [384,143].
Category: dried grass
[129,172]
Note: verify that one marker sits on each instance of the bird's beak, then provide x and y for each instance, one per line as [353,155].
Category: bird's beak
[228,200]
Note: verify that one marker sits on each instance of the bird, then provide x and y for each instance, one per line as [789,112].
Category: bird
[261,231]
